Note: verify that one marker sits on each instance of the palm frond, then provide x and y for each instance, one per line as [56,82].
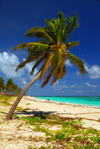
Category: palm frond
[39,33]
[72,24]
[36,64]
[63,71]
[61,25]
[47,78]
[72,44]
[60,73]
[21,46]
[46,65]
[62,17]
[37,49]
[51,25]
[21,65]
[32,45]
[79,63]
[57,58]
[51,49]
[56,76]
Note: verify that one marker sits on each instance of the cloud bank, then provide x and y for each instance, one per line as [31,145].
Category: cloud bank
[8,64]
[94,71]
[91,85]
[57,86]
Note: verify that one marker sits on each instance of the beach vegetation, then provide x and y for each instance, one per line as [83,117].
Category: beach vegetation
[28,103]
[10,88]
[20,109]
[42,147]
[6,102]
[15,116]
[9,139]
[72,135]
[51,50]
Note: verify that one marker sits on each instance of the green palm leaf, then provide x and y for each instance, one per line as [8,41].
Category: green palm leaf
[63,71]
[21,46]
[46,65]
[39,33]
[79,63]
[47,78]
[51,25]
[72,44]
[36,64]
[62,24]
[56,76]
[32,45]
[57,59]
[21,65]
[72,24]
[59,74]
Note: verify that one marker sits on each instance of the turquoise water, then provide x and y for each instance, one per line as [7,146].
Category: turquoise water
[89,101]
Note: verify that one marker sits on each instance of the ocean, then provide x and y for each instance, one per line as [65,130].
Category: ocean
[88,101]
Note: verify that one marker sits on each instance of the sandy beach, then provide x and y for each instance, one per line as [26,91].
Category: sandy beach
[20,138]
[89,115]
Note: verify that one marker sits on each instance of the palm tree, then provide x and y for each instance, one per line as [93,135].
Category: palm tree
[2,85]
[10,86]
[51,50]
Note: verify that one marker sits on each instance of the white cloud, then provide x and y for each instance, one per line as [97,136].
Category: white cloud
[22,81]
[37,84]
[94,71]
[88,84]
[73,86]
[79,91]
[68,63]
[77,73]
[57,86]
[8,64]
[91,85]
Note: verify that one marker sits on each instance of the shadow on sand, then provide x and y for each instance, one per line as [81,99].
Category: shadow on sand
[33,113]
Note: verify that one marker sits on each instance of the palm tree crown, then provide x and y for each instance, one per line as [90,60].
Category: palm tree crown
[52,47]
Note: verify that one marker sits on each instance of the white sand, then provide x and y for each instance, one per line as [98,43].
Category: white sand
[12,130]
[90,115]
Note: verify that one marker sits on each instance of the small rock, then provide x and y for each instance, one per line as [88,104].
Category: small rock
[48,99]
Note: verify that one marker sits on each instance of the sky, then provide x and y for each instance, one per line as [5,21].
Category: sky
[18,16]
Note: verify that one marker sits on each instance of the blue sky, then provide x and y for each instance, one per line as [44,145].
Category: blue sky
[18,16]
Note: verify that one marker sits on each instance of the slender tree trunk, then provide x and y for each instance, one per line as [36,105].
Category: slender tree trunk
[9,116]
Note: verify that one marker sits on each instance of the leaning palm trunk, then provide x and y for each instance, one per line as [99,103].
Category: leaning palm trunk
[9,116]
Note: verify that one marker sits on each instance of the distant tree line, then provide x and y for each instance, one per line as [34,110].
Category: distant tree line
[10,87]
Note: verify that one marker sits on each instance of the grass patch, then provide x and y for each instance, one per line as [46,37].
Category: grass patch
[72,135]
[20,109]
[9,139]
[5,100]
[28,103]
[15,116]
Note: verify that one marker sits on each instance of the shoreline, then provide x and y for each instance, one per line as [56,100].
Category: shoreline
[62,103]
[90,116]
